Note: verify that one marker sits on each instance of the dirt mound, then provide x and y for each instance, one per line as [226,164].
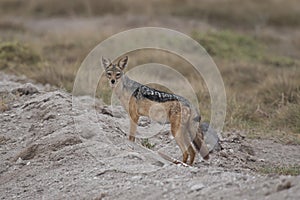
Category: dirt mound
[54,146]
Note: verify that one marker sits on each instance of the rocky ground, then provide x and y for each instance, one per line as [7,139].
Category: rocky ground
[55,146]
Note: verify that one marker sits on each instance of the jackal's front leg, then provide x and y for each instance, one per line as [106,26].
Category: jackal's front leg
[133,127]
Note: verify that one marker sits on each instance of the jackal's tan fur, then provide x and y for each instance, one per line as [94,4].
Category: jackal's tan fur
[138,100]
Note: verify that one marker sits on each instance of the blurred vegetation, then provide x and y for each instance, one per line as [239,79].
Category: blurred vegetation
[246,13]
[57,8]
[14,54]
[260,75]
[223,12]
[20,59]
[230,45]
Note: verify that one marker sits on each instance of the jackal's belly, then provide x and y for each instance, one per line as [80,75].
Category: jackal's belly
[159,112]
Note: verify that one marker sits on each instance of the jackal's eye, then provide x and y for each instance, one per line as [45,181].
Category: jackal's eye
[118,75]
[108,74]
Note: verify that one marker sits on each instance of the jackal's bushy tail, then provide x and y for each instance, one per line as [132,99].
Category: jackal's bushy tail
[200,146]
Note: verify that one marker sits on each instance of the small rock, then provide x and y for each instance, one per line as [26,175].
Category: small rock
[49,116]
[136,178]
[20,161]
[197,187]
[133,155]
[242,135]
[15,105]
[283,186]
[106,111]
[223,154]
[26,89]
[144,121]
[229,184]
[251,158]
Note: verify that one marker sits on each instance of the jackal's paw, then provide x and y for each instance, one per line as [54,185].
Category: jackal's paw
[132,138]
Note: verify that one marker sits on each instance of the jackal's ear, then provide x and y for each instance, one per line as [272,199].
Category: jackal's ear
[123,62]
[105,62]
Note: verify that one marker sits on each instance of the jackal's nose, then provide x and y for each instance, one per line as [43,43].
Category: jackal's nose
[113,81]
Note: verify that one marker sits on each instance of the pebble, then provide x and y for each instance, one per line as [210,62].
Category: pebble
[15,105]
[223,154]
[20,161]
[197,187]
[136,178]
[283,186]
[251,158]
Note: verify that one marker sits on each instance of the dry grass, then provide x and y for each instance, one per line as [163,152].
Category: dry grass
[3,106]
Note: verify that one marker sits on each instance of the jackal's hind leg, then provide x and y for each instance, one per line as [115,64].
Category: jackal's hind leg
[180,140]
[185,157]
[192,154]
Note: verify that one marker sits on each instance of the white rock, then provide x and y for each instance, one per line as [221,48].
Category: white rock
[197,187]
[136,178]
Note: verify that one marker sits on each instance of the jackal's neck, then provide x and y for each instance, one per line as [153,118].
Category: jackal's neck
[125,80]
[126,85]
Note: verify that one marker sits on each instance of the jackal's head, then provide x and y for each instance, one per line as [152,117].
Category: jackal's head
[114,71]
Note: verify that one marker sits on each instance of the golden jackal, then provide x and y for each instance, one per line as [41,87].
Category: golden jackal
[138,100]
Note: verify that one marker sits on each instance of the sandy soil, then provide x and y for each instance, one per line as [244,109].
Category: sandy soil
[51,150]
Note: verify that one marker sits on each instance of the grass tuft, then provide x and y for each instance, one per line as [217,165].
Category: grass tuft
[3,106]
[146,143]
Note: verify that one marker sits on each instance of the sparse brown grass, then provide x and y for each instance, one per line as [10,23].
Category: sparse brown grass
[3,106]
[263,98]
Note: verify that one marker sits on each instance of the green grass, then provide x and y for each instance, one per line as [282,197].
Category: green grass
[281,170]
[146,143]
